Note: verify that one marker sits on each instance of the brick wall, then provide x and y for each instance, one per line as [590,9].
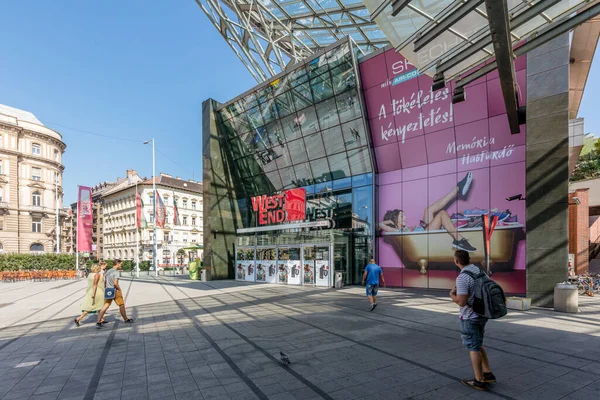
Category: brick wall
[579,230]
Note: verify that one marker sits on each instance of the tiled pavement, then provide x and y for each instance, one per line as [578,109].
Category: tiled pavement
[222,340]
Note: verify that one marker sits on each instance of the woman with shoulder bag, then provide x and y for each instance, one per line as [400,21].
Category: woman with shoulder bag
[94,295]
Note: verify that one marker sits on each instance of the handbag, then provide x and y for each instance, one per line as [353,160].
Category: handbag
[109,293]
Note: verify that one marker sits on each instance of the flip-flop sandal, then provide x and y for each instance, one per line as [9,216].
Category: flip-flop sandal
[77,322]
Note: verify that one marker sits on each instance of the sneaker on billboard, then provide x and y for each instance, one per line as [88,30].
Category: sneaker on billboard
[461,223]
[457,216]
[502,215]
[465,184]
[474,212]
[463,244]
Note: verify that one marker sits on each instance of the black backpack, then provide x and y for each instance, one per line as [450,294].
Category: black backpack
[489,300]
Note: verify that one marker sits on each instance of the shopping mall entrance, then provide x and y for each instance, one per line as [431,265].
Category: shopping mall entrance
[307,265]
[309,258]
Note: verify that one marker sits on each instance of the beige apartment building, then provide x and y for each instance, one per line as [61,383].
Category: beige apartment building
[119,228]
[30,183]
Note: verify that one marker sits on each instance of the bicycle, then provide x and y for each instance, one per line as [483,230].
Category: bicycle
[584,283]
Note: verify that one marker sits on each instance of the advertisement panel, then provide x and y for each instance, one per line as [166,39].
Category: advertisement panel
[322,273]
[250,270]
[441,166]
[84,219]
[266,265]
[244,264]
[295,272]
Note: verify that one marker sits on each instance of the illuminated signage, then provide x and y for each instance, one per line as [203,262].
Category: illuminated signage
[284,207]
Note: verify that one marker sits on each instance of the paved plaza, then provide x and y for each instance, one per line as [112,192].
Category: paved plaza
[221,340]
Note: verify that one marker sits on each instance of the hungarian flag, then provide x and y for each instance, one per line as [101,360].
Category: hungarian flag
[140,218]
[161,212]
[175,212]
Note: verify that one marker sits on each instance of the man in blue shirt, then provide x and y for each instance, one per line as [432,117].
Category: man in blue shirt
[371,278]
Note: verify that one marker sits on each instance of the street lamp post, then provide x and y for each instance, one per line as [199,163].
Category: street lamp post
[57,214]
[137,234]
[154,249]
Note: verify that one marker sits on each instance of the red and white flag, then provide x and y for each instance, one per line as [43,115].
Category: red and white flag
[161,212]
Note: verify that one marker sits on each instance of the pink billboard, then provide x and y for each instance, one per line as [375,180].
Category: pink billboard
[84,219]
[440,168]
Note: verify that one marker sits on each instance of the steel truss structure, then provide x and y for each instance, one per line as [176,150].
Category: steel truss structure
[452,39]
[267,35]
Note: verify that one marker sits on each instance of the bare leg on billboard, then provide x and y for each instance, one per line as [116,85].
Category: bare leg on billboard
[433,209]
[436,217]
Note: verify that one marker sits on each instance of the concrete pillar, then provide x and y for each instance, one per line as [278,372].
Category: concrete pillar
[547,169]
[221,214]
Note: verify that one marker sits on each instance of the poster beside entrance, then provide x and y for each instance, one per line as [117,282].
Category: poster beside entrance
[294,265]
[322,273]
[295,276]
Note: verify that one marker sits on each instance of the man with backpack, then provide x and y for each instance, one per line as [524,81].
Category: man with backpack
[479,299]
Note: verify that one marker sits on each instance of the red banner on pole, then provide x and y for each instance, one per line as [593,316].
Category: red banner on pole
[161,212]
[84,219]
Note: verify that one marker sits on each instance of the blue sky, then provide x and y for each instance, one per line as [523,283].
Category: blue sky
[132,69]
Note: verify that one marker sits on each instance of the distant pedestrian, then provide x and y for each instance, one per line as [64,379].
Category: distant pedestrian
[373,273]
[94,295]
[472,325]
[111,281]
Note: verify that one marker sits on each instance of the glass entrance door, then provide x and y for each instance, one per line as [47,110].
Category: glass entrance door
[266,264]
[316,266]
[289,263]
[323,273]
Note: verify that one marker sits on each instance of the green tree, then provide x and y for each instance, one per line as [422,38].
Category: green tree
[588,165]
[181,255]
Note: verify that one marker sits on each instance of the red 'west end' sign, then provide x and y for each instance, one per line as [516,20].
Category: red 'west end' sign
[287,206]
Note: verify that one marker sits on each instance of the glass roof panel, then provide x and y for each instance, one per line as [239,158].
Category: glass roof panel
[420,16]
[295,29]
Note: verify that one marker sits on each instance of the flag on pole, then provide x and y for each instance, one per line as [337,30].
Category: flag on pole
[140,218]
[161,211]
[175,212]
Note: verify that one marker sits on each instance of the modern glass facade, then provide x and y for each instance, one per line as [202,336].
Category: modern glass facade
[304,129]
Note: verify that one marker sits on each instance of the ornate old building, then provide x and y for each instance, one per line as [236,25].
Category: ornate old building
[30,183]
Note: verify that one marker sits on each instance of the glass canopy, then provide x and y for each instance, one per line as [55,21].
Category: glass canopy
[437,36]
[453,36]
[268,34]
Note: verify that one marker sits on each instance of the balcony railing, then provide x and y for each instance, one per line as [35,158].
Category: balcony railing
[3,204]
[38,209]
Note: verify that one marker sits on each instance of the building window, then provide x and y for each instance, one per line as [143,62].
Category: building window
[1,141]
[185,238]
[194,238]
[36,225]
[184,204]
[36,199]
[193,205]
[36,149]
[56,155]
[193,221]
[36,174]
[1,248]
[1,194]
[1,172]
[184,220]
[166,237]
[36,248]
